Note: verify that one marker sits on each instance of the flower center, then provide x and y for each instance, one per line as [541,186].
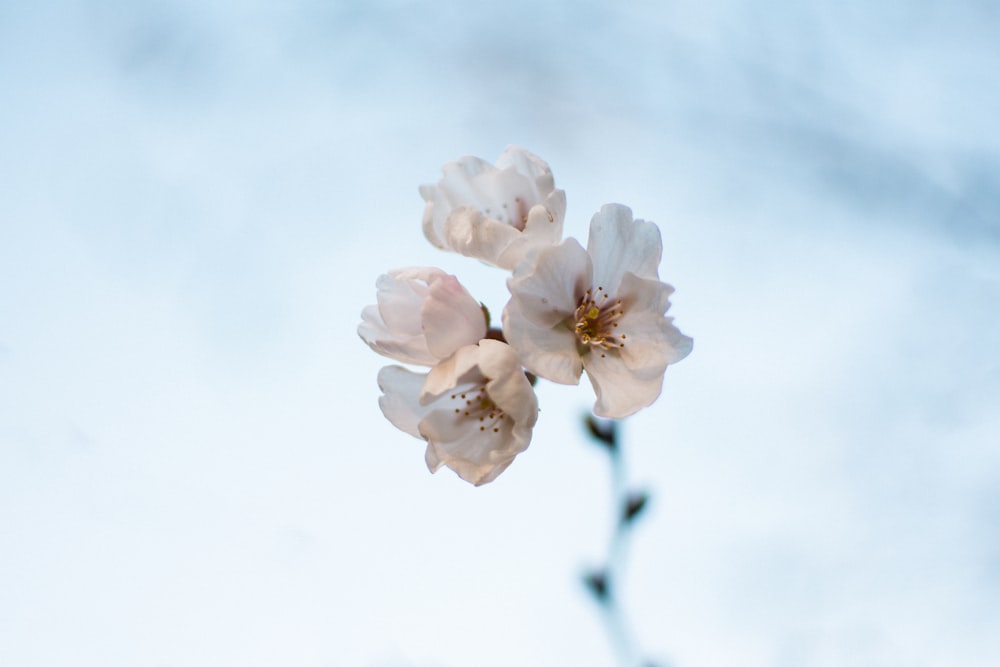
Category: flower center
[474,405]
[596,322]
[516,218]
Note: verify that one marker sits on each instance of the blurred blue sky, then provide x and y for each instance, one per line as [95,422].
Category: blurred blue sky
[196,199]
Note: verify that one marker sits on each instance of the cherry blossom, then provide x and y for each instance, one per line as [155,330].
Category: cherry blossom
[601,310]
[423,315]
[495,213]
[476,410]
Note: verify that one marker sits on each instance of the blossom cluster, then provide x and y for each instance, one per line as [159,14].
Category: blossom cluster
[599,310]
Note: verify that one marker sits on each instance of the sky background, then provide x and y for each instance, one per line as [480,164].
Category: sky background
[197,197]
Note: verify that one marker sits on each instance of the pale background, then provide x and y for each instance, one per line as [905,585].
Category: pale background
[196,199]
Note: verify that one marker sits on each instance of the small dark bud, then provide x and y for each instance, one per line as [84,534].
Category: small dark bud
[634,505]
[604,431]
[597,583]
[486,313]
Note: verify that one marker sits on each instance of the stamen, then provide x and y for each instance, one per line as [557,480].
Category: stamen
[596,318]
[476,405]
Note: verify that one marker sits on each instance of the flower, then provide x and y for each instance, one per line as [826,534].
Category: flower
[423,315]
[494,213]
[476,409]
[599,310]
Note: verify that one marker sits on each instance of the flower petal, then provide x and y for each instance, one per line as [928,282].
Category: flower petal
[475,456]
[460,368]
[545,291]
[469,233]
[451,318]
[400,398]
[422,316]
[507,385]
[653,341]
[618,244]
[408,349]
[401,293]
[547,351]
[543,228]
[494,213]
[620,392]
[480,445]
[529,164]
[548,286]
[631,377]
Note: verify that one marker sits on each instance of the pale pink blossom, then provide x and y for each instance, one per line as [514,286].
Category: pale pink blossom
[422,316]
[475,410]
[495,213]
[601,310]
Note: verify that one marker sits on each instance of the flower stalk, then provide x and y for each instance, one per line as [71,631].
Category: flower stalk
[605,583]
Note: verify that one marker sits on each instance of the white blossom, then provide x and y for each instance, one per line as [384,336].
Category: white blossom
[495,213]
[601,310]
[476,410]
[422,316]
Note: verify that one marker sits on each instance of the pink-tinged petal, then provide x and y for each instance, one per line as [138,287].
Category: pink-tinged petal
[630,377]
[459,180]
[470,234]
[401,294]
[400,398]
[451,318]
[483,211]
[530,165]
[555,207]
[653,341]
[480,411]
[433,205]
[548,352]
[475,456]
[507,384]
[618,244]
[431,458]
[548,285]
[422,316]
[408,349]
[461,368]
[620,392]
[544,228]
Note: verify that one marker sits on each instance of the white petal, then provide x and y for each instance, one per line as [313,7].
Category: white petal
[476,450]
[530,165]
[400,400]
[537,321]
[653,341]
[451,318]
[548,352]
[460,368]
[618,244]
[423,315]
[470,234]
[549,285]
[408,349]
[631,377]
[401,293]
[620,392]
[493,213]
[544,228]
[433,206]
[476,456]
[508,387]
